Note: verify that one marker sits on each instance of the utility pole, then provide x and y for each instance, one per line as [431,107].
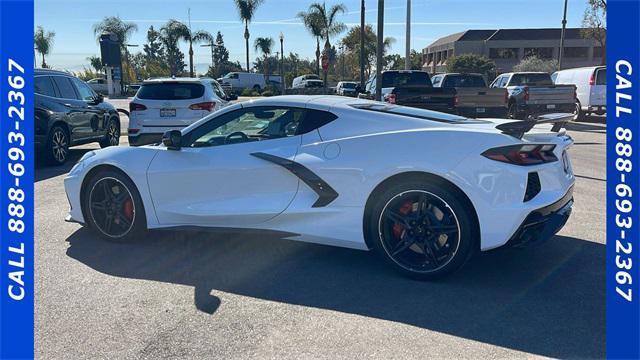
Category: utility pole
[379,50]
[283,85]
[362,34]
[407,56]
[564,26]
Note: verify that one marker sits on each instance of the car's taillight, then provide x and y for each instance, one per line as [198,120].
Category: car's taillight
[456,100]
[209,106]
[526,93]
[136,107]
[390,98]
[592,78]
[523,154]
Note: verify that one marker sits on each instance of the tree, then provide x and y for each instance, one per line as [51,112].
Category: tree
[43,42]
[246,10]
[153,49]
[351,42]
[113,24]
[171,34]
[182,31]
[470,63]
[264,45]
[95,62]
[594,23]
[396,61]
[533,63]
[313,22]
[220,52]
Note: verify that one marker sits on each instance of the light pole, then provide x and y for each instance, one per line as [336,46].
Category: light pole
[564,26]
[379,50]
[282,84]
[212,45]
[407,56]
[362,34]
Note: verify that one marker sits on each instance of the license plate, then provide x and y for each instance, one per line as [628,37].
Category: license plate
[167,112]
[481,110]
[551,106]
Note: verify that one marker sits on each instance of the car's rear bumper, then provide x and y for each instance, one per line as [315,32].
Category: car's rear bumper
[543,223]
[483,112]
[534,109]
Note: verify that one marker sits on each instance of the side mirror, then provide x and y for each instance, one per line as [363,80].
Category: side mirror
[232,96]
[172,139]
[99,98]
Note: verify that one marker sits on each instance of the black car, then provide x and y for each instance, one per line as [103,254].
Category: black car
[67,113]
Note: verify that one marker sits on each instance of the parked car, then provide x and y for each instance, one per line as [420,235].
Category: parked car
[99,85]
[132,89]
[347,88]
[473,98]
[533,93]
[171,103]
[68,113]
[412,88]
[239,81]
[423,189]
[300,81]
[591,88]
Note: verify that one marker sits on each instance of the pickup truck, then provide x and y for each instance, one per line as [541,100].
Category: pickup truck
[533,93]
[411,88]
[473,98]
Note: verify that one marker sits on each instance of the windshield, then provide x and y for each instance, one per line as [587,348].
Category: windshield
[464,81]
[170,91]
[395,79]
[411,112]
[530,79]
[349,85]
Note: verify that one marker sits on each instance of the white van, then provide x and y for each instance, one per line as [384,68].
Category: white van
[591,88]
[300,81]
[242,80]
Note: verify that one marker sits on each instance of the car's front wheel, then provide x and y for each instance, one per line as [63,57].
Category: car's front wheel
[113,207]
[57,149]
[421,229]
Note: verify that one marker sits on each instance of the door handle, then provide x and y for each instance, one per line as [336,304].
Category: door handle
[67,105]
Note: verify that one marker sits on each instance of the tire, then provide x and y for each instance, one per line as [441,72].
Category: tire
[113,208]
[57,148]
[431,240]
[512,111]
[578,113]
[112,137]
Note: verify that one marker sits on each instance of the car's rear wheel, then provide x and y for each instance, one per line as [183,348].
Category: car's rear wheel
[578,114]
[57,149]
[421,229]
[512,111]
[112,137]
[113,207]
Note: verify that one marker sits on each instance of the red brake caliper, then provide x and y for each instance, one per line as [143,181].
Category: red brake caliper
[127,207]
[405,209]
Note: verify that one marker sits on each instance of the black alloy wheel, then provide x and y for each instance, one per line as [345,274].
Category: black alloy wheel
[112,207]
[58,146]
[112,137]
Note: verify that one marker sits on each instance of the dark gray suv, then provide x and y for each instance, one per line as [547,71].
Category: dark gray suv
[67,113]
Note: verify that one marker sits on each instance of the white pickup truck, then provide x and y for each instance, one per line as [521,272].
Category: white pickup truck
[533,93]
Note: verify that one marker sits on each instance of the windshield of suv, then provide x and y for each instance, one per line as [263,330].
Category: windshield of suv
[415,78]
[464,81]
[530,79]
[349,85]
[170,91]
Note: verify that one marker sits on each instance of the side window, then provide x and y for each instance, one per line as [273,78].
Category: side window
[65,87]
[218,91]
[246,125]
[43,86]
[314,119]
[505,81]
[83,89]
[436,80]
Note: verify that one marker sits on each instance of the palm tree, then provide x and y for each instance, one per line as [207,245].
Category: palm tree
[246,10]
[43,42]
[330,25]
[183,32]
[264,45]
[314,23]
[170,35]
[113,24]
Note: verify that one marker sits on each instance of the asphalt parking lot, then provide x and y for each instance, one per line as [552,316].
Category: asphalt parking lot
[251,295]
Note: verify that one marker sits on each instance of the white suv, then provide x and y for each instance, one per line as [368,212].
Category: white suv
[167,104]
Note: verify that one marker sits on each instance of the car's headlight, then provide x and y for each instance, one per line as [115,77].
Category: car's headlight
[81,163]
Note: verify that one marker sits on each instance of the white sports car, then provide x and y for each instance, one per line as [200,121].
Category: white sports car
[424,189]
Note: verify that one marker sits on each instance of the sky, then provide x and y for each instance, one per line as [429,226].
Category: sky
[73,20]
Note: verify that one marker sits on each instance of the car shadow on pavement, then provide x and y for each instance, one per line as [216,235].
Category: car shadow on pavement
[547,300]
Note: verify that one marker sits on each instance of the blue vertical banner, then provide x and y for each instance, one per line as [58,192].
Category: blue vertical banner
[16,179]
[623,180]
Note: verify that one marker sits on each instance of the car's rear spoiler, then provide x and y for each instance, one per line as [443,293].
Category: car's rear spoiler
[519,128]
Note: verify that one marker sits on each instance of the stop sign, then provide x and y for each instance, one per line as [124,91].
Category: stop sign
[325,62]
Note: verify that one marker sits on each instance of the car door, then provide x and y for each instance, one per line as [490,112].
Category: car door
[220,176]
[96,114]
[75,108]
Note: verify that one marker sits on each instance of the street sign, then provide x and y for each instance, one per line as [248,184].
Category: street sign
[325,62]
